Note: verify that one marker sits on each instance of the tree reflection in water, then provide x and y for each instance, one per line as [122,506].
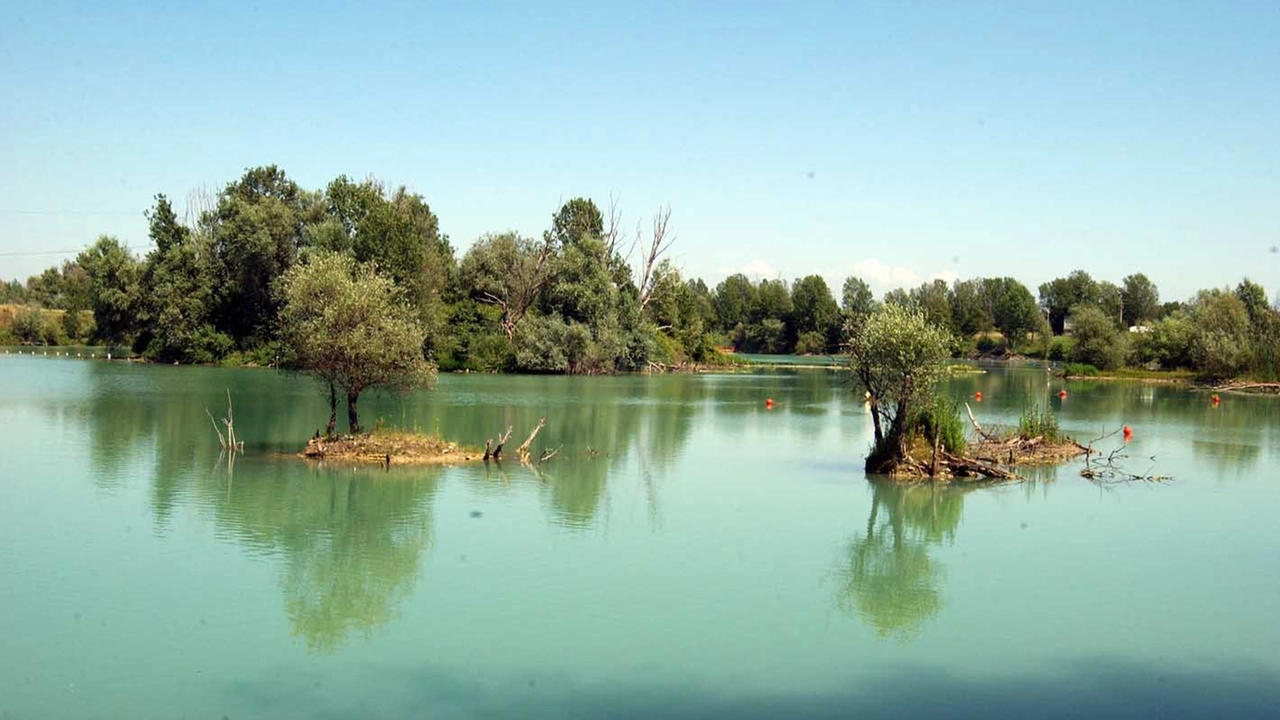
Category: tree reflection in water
[887,577]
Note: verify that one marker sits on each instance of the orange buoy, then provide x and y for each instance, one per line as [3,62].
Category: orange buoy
[977,396]
[1062,394]
[1128,433]
[768,403]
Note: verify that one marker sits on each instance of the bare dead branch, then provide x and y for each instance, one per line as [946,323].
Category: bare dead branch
[659,243]
[523,450]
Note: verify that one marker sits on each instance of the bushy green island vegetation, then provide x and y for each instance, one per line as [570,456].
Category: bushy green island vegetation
[585,297]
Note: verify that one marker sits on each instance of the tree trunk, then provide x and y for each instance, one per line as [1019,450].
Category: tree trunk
[333,411]
[353,419]
[875,421]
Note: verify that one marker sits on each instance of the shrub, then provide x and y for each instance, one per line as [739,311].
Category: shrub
[71,325]
[941,419]
[809,343]
[27,324]
[1060,348]
[1080,370]
[1036,422]
[51,330]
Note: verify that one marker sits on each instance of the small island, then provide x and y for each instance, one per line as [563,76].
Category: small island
[898,357]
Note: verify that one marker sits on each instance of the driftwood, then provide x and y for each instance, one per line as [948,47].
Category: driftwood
[969,467]
[227,442]
[1270,387]
[496,453]
[523,451]
[548,454]
[976,426]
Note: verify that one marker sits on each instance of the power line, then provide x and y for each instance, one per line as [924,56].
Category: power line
[37,211]
[50,252]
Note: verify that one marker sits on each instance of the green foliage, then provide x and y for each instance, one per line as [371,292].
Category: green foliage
[206,293]
[1060,296]
[1221,346]
[509,272]
[933,299]
[1141,300]
[1039,422]
[734,300]
[1013,308]
[811,343]
[1167,342]
[1111,303]
[577,220]
[540,345]
[114,289]
[73,325]
[257,229]
[51,330]
[350,327]
[941,419]
[28,324]
[1060,348]
[1097,340]
[815,315]
[1077,369]
[897,357]
[12,293]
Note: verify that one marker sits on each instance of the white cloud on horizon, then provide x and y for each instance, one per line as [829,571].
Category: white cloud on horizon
[756,269]
[882,276]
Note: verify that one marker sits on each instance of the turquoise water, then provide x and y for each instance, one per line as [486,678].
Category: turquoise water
[689,553]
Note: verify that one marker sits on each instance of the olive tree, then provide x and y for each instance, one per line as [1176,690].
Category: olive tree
[352,329]
[897,357]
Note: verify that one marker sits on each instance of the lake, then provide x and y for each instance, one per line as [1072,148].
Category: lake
[688,553]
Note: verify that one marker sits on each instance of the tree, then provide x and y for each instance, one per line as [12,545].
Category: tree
[856,304]
[971,311]
[13,292]
[257,229]
[1254,298]
[1059,296]
[179,293]
[1098,341]
[897,357]
[508,271]
[352,329]
[575,220]
[1111,302]
[1013,308]
[165,229]
[652,267]
[1221,346]
[815,313]
[113,288]
[933,300]
[1168,341]
[734,299]
[1141,300]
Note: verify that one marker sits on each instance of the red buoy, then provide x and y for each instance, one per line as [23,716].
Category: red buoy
[1062,394]
[977,396]
[768,403]
[1216,400]
[1128,433]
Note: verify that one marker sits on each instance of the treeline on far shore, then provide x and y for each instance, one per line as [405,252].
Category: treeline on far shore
[584,297]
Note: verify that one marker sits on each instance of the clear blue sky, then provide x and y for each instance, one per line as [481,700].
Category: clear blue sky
[902,139]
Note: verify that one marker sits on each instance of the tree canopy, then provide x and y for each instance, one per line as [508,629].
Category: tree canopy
[352,329]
